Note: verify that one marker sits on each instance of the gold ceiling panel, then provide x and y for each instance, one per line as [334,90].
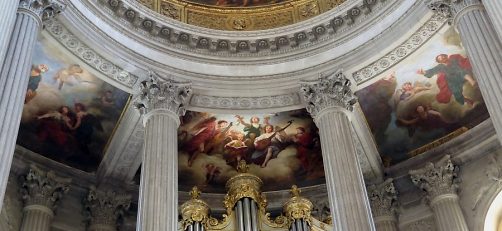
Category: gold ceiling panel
[238,18]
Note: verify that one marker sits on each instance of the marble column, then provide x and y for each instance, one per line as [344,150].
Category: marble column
[41,192]
[329,99]
[7,16]
[103,208]
[382,200]
[438,181]
[14,75]
[161,103]
[483,47]
[494,9]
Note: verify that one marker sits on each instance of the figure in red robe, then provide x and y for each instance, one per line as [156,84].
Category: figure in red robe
[202,133]
[304,143]
[452,71]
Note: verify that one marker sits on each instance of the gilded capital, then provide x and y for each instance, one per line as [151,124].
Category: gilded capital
[195,210]
[42,10]
[383,198]
[104,207]
[436,178]
[298,207]
[43,188]
[155,93]
[328,92]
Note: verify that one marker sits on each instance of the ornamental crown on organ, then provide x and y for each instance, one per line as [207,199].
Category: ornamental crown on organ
[246,209]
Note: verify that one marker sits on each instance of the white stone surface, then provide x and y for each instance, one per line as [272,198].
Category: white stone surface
[348,199]
[13,84]
[494,9]
[7,17]
[484,49]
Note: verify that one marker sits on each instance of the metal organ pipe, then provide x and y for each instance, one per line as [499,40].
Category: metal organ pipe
[254,216]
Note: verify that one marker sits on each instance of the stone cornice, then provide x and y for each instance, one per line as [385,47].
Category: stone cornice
[343,20]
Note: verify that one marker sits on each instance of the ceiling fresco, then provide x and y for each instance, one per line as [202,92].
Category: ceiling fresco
[69,113]
[424,101]
[282,149]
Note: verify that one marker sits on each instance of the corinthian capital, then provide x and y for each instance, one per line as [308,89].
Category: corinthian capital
[43,188]
[436,179]
[155,93]
[104,207]
[328,92]
[383,198]
[452,8]
[42,10]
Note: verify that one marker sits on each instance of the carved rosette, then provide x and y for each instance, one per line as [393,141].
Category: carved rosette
[158,94]
[383,198]
[43,188]
[195,210]
[298,207]
[42,10]
[436,179]
[328,92]
[104,207]
[244,185]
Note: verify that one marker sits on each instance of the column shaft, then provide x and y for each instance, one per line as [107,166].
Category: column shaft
[448,213]
[14,75]
[494,9]
[159,174]
[37,218]
[7,16]
[485,53]
[349,202]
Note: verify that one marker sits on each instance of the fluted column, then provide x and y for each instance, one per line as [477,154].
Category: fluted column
[483,48]
[438,181]
[329,99]
[103,208]
[382,200]
[15,72]
[494,9]
[7,17]
[41,192]
[161,103]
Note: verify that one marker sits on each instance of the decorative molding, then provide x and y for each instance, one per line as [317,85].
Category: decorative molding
[104,207]
[419,38]
[41,188]
[155,93]
[436,179]
[240,103]
[73,44]
[383,198]
[328,92]
[129,14]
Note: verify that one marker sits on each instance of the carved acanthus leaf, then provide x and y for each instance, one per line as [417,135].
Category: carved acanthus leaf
[43,188]
[104,207]
[327,92]
[155,93]
[44,9]
[383,198]
[436,179]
